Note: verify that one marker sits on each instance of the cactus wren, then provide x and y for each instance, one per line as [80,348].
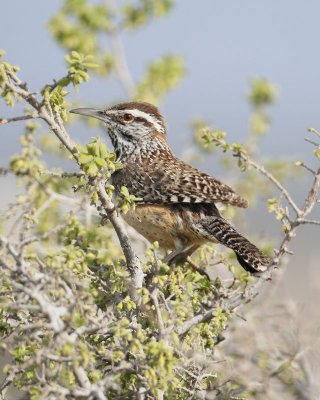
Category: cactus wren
[178,201]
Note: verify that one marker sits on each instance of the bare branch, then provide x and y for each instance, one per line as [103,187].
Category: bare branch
[121,67]
[94,391]
[4,171]
[244,157]
[6,383]
[312,197]
[14,119]
[272,179]
[302,164]
[154,297]
[311,142]
[62,174]
[312,130]
[310,221]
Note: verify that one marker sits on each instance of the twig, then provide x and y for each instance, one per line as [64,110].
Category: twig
[62,174]
[3,171]
[154,298]
[94,391]
[244,157]
[45,235]
[312,196]
[121,65]
[14,119]
[54,312]
[57,82]
[312,130]
[302,164]
[5,384]
[311,142]
[272,179]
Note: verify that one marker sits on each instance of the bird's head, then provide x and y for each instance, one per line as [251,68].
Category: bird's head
[133,126]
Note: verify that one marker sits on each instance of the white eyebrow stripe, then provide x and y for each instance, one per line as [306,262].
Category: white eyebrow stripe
[141,114]
[149,118]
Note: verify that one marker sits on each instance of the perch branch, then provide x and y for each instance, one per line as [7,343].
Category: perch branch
[56,126]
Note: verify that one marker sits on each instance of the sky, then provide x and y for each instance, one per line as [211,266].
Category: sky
[224,45]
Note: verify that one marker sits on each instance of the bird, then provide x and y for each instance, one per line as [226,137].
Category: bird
[177,202]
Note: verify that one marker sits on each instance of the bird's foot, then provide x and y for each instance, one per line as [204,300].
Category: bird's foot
[195,267]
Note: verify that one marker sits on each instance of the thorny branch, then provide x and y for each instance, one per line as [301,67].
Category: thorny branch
[56,125]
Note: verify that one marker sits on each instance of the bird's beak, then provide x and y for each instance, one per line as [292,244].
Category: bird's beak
[90,112]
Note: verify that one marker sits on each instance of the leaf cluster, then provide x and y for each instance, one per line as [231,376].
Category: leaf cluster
[95,159]
[8,95]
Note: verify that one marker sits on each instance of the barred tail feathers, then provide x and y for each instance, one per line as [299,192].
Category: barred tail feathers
[248,255]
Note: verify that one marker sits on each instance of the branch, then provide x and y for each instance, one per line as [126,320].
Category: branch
[219,141]
[6,383]
[133,262]
[62,174]
[121,67]
[272,179]
[56,126]
[310,221]
[3,171]
[312,197]
[94,391]
[312,130]
[46,235]
[251,292]
[154,298]
[14,119]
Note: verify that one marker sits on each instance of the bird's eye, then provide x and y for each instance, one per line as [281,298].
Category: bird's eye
[128,117]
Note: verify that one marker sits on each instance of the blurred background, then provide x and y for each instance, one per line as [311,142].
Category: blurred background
[224,47]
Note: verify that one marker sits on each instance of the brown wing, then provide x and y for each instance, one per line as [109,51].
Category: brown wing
[172,181]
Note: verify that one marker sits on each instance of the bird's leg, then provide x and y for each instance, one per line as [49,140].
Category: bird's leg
[182,254]
[195,267]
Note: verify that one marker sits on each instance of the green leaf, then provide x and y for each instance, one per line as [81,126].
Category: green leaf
[101,162]
[92,169]
[85,158]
